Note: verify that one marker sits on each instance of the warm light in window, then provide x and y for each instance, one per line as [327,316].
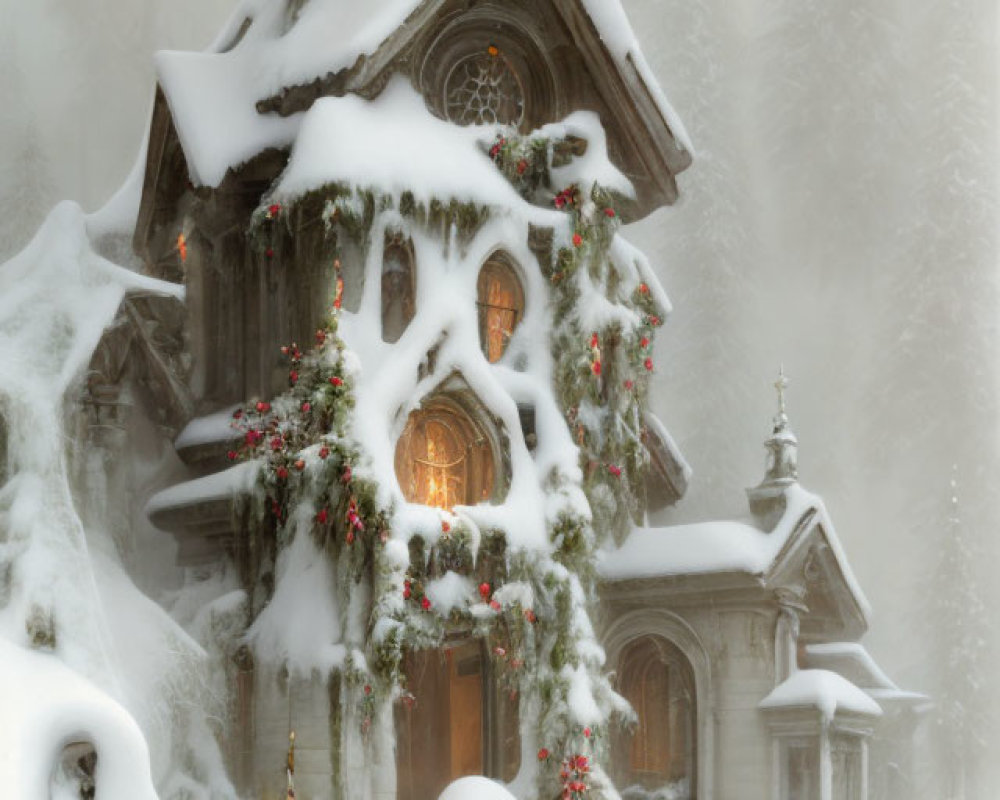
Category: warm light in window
[501,305]
[443,459]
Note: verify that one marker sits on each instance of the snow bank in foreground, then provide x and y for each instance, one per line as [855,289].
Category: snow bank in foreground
[475,788]
[45,707]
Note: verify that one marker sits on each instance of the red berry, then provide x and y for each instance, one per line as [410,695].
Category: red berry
[445,526]
[644,342]
[543,754]
[597,367]
[577,240]
[368,690]
[495,605]
[425,604]
[306,408]
[274,210]
[323,516]
[649,364]
[484,590]
[530,616]
[629,385]
[614,470]
[282,474]
[324,453]
[336,381]
[300,465]
[263,408]
[293,377]
[643,289]
[609,212]
[231,455]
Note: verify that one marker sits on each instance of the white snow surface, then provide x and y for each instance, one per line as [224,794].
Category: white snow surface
[475,788]
[724,546]
[45,706]
[301,625]
[826,691]
[56,298]
[213,96]
[616,31]
[217,486]
[855,663]
[210,429]
[393,143]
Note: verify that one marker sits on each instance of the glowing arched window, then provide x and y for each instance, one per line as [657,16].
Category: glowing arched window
[660,754]
[399,287]
[443,458]
[501,305]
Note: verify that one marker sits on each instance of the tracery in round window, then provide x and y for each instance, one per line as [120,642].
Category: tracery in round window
[483,89]
[443,459]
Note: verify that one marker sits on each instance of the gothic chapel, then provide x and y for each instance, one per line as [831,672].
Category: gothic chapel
[408,391]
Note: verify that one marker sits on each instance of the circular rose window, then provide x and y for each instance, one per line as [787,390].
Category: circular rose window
[483,89]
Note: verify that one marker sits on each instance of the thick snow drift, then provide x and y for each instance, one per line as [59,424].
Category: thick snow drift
[45,707]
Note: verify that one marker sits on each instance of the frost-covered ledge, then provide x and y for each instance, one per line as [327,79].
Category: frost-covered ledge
[200,513]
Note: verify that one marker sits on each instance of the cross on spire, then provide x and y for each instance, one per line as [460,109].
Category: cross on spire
[781,385]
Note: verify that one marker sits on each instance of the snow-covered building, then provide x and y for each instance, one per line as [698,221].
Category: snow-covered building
[409,315]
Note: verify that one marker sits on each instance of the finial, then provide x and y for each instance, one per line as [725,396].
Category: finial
[781,385]
[767,500]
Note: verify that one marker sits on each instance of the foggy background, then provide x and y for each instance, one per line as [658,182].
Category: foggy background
[840,218]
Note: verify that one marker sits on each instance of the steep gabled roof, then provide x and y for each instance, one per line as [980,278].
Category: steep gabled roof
[768,559]
[276,58]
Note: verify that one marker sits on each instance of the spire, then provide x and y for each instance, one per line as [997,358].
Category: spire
[782,447]
[767,500]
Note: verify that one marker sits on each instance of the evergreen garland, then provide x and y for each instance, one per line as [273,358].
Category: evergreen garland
[532,610]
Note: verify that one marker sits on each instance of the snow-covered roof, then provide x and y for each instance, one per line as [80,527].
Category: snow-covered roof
[727,546]
[616,31]
[213,96]
[854,662]
[393,143]
[823,690]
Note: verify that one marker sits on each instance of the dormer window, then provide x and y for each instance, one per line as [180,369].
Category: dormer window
[399,288]
[444,459]
[501,305]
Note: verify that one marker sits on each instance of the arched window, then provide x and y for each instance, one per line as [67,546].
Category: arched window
[399,288]
[501,305]
[444,458]
[660,754]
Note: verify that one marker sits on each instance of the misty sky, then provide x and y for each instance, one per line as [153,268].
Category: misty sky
[840,218]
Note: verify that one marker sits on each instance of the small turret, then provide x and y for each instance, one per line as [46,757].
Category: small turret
[767,500]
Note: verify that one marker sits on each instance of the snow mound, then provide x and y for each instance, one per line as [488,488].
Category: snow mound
[475,788]
[827,691]
[46,706]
